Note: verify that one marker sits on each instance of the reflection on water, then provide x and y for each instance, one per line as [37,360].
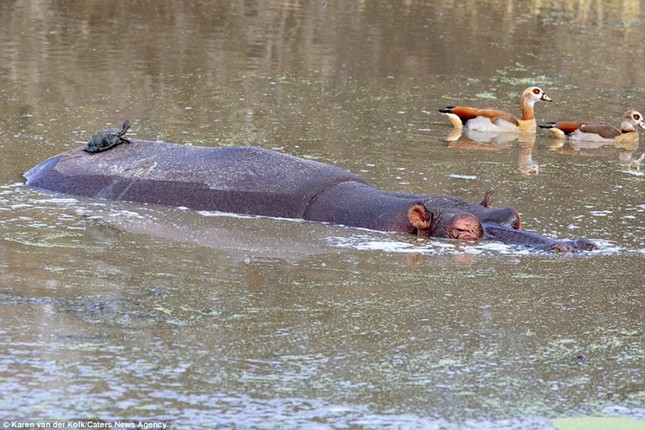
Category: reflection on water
[476,140]
[626,152]
[124,311]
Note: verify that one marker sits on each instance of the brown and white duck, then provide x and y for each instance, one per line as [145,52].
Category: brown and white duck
[599,131]
[497,120]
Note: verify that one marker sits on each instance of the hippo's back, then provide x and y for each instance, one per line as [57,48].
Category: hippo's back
[245,180]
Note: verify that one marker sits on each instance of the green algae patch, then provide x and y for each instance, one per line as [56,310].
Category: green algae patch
[598,423]
[39,241]
[486,95]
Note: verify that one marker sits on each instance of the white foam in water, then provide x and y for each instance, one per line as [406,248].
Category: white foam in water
[600,213]
[383,245]
[14,185]
[243,216]
[609,248]
[428,247]
[60,200]
[438,247]
[223,214]
[131,214]
[468,177]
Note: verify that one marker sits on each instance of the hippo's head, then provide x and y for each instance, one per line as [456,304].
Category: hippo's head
[454,218]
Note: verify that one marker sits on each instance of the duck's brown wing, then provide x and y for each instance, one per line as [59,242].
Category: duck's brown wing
[467,113]
[567,127]
[606,131]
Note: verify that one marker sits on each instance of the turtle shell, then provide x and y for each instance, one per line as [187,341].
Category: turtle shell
[108,138]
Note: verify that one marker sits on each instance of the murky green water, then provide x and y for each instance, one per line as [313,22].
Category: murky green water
[125,312]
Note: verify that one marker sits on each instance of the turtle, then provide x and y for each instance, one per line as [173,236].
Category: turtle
[108,138]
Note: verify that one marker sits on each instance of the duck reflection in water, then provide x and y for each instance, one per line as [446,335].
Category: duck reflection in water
[477,140]
[628,156]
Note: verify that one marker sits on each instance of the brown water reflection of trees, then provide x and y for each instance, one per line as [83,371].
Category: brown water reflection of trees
[101,54]
[175,36]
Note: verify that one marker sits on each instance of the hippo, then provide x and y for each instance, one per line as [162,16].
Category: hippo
[256,181]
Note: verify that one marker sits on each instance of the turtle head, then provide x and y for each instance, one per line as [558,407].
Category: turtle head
[126,126]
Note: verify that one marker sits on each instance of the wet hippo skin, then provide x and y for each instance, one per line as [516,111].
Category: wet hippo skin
[256,181]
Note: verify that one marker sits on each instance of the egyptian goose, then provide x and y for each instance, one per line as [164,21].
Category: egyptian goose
[598,131]
[497,120]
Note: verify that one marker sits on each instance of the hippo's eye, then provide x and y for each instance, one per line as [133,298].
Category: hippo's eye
[536,91]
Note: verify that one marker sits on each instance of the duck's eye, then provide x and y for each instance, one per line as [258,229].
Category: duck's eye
[536,91]
[636,116]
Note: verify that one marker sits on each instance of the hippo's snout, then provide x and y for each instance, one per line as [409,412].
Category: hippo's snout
[510,236]
[458,225]
[582,244]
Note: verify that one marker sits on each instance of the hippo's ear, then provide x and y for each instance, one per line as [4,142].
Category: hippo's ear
[486,198]
[421,219]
